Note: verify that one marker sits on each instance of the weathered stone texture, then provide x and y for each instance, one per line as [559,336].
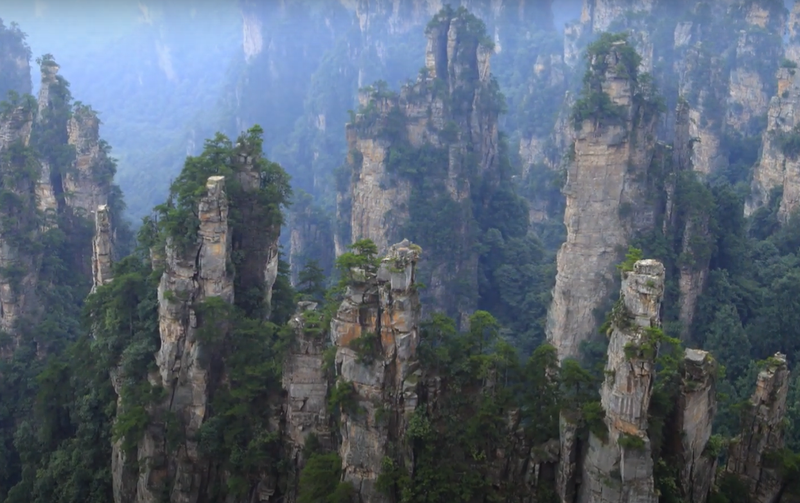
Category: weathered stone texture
[619,469]
[306,386]
[383,304]
[762,433]
[776,168]
[376,205]
[85,187]
[696,407]
[102,248]
[191,276]
[605,205]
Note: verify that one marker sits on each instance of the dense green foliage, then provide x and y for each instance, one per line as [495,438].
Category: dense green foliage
[455,444]
[515,270]
[594,103]
[500,390]
[58,401]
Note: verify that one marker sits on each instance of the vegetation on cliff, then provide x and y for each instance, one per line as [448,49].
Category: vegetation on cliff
[490,393]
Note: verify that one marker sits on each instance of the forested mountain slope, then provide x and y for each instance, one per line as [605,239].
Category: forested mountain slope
[518,265]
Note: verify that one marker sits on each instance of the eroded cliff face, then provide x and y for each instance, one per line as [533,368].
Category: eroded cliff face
[792,48]
[380,317]
[449,114]
[696,407]
[619,468]
[698,127]
[762,433]
[17,293]
[306,385]
[779,165]
[102,248]
[30,133]
[191,277]
[606,205]
[750,85]
[86,185]
[601,14]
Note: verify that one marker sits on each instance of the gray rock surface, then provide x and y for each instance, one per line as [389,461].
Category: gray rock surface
[102,248]
[697,405]
[762,433]
[384,307]
[619,468]
[376,205]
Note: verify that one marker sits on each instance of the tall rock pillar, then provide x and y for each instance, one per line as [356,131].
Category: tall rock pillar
[102,248]
[427,146]
[762,433]
[696,407]
[376,332]
[191,276]
[619,467]
[306,387]
[606,204]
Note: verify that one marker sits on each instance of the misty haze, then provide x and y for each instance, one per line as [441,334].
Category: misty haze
[399,251]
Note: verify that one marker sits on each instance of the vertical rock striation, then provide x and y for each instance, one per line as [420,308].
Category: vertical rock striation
[450,114]
[102,248]
[779,165]
[376,332]
[191,277]
[749,88]
[19,229]
[696,407]
[86,186]
[619,468]
[255,240]
[606,205]
[762,433]
[306,388]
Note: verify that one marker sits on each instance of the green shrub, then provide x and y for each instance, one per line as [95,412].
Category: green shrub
[628,441]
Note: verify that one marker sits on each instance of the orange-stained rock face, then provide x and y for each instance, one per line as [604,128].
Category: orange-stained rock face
[384,301]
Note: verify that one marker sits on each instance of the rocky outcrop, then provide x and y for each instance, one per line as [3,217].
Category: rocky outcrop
[87,184]
[306,386]
[49,77]
[255,240]
[376,332]
[605,206]
[696,407]
[102,248]
[702,91]
[601,14]
[123,474]
[693,273]
[451,111]
[619,468]
[779,164]
[545,94]
[750,85]
[19,273]
[762,433]
[191,277]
